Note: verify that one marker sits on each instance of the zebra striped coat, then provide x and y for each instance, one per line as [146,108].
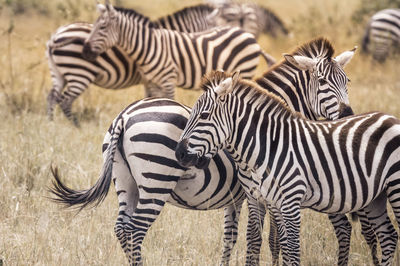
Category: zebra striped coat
[358,157]
[328,102]
[166,58]
[139,157]
[113,69]
[382,34]
[153,119]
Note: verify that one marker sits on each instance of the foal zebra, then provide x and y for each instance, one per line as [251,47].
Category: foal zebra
[139,157]
[113,69]
[166,58]
[358,165]
[382,34]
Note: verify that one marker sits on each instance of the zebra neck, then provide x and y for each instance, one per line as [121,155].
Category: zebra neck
[136,36]
[260,126]
[292,86]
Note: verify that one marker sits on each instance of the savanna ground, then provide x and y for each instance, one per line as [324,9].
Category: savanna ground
[35,231]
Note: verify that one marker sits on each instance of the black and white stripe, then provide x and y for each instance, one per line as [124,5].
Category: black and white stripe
[327,102]
[113,69]
[139,157]
[166,58]
[333,167]
[382,34]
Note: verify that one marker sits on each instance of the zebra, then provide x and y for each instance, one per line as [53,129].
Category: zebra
[314,103]
[382,34]
[358,166]
[166,58]
[139,157]
[251,17]
[253,236]
[113,69]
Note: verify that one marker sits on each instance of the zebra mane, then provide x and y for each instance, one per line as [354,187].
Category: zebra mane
[214,78]
[319,47]
[133,13]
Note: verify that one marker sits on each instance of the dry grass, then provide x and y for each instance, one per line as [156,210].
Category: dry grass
[35,231]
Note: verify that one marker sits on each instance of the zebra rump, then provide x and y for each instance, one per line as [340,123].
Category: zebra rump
[382,34]
[138,153]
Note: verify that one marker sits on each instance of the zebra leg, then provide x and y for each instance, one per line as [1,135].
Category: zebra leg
[369,235]
[53,98]
[166,90]
[254,231]
[291,218]
[66,102]
[387,235]
[274,246]
[146,212]
[128,196]
[231,220]
[342,228]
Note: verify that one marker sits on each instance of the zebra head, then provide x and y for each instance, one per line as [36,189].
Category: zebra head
[327,86]
[105,32]
[208,126]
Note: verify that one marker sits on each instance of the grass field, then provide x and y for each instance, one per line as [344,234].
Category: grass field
[34,231]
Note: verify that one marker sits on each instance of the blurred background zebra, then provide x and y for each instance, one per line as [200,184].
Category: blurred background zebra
[114,69]
[251,17]
[382,34]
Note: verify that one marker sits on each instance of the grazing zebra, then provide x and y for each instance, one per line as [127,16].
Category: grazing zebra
[113,69]
[251,17]
[166,58]
[139,156]
[334,167]
[382,34]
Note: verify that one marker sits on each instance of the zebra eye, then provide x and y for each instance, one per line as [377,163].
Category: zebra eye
[322,81]
[204,115]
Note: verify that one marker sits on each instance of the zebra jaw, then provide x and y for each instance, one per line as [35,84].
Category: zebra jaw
[187,159]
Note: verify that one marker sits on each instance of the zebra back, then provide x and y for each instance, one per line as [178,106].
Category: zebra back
[189,19]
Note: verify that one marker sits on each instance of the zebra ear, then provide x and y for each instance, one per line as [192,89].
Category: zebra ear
[344,58]
[301,62]
[225,87]
[236,76]
[101,8]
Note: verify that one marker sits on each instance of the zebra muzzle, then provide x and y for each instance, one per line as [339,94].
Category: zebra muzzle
[88,53]
[183,156]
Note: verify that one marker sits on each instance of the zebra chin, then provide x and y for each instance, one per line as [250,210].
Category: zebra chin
[88,53]
[345,110]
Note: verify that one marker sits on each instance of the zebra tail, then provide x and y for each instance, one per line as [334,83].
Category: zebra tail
[97,193]
[268,58]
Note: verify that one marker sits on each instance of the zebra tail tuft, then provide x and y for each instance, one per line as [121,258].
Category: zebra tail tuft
[81,198]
